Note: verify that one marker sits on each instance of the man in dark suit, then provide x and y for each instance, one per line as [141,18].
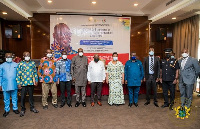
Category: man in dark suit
[151,75]
[189,71]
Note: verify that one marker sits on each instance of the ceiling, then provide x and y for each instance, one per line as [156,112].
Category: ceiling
[156,10]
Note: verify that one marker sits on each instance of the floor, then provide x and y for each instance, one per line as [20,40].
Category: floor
[105,117]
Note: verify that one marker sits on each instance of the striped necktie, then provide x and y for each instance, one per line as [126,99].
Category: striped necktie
[151,65]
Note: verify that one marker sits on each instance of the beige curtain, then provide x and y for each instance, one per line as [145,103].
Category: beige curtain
[186,35]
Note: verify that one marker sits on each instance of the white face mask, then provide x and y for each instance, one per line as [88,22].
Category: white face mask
[185,55]
[64,57]
[151,53]
[80,53]
[49,55]
[9,60]
[115,58]
[27,58]
[172,57]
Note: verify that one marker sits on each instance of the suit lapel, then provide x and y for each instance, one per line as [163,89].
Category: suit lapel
[187,62]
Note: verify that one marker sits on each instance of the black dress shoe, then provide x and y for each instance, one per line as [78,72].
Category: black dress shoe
[55,105]
[147,103]
[130,104]
[84,104]
[156,104]
[77,104]
[45,107]
[136,105]
[16,111]
[69,105]
[22,113]
[163,106]
[62,105]
[34,110]
[5,114]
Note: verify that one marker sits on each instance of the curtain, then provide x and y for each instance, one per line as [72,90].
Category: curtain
[186,35]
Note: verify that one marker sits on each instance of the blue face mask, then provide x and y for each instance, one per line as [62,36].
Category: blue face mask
[172,57]
[151,53]
[9,60]
[133,58]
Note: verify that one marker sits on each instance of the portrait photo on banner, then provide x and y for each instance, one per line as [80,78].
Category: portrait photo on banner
[95,34]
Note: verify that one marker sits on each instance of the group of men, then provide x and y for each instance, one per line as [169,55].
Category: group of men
[64,71]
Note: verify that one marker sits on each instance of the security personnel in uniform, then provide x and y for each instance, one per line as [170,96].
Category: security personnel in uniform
[168,77]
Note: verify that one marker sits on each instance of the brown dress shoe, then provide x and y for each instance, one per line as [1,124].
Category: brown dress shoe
[99,103]
[92,104]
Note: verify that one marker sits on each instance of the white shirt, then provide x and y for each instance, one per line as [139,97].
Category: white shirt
[184,62]
[96,71]
[150,71]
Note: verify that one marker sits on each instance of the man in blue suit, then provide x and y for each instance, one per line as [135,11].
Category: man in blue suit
[134,75]
[8,83]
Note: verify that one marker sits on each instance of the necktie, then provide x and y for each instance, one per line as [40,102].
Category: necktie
[151,64]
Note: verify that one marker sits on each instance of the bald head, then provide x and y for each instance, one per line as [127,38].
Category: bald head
[185,50]
[96,57]
[49,51]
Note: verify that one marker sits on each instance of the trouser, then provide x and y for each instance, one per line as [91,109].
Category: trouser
[151,83]
[136,90]
[65,86]
[168,85]
[7,95]
[24,90]
[186,91]
[45,91]
[83,93]
[94,86]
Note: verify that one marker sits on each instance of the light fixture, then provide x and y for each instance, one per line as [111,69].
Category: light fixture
[50,1]
[94,2]
[4,13]
[139,32]
[135,5]
[173,18]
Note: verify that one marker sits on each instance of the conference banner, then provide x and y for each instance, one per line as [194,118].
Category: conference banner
[95,34]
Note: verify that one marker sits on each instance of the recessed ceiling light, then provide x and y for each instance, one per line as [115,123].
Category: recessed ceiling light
[50,1]
[173,18]
[135,4]
[4,13]
[94,2]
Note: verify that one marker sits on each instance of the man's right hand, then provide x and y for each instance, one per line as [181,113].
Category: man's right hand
[0,88]
[107,81]
[144,79]
[125,81]
[160,80]
[89,82]
[19,87]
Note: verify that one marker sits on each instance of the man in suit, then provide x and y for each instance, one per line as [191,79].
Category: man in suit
[151,75]
[189,71]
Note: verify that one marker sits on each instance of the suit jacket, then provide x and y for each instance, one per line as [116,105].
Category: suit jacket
[156,67]
[191,70]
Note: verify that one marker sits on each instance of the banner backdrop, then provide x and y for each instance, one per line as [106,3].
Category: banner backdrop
[95,34]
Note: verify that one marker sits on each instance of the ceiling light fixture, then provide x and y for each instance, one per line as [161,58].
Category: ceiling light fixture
[173,18]
[135,5]
[94,2]
[4,13]
[50,1]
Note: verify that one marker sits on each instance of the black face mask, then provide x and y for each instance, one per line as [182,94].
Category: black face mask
[167,56]
[96,59]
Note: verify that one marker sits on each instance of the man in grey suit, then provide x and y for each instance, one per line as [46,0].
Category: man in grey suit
[151,75]
[189,70]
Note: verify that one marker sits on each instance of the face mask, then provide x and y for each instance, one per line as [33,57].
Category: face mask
[49,55]
[96,59]
[133,58]
[167,56]
[80,53]
[151,53]
[172,57]
[115,58]
[184,55]
[64,57]
[9,60]
[27,58]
